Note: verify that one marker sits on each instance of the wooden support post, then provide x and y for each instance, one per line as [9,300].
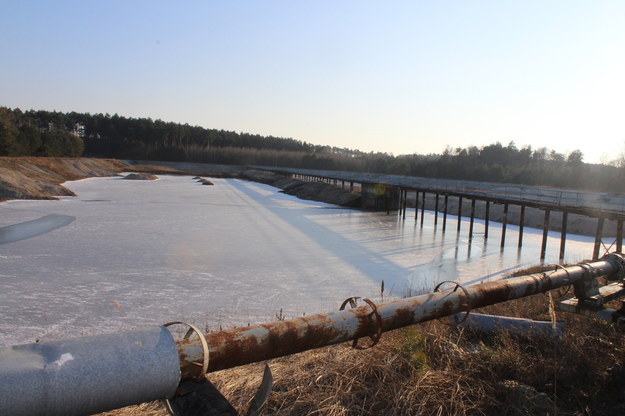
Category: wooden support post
[351,186]
[436,209]
[565,216]
[486,219]
[342,184]
[405,203]
[472,219]
[422,207]
[459,213]
[445,212]
[504,225]
[416,205]
[521,225]
[619,236]
[598,237]
[543,246]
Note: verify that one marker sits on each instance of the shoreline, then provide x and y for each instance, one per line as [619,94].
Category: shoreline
[42,178]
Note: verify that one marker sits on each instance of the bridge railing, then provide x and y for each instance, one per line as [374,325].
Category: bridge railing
[560,197]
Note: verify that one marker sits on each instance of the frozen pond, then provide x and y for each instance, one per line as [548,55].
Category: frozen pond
[129,253]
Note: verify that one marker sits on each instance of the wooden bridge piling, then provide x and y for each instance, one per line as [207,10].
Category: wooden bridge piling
[459,213]
[416,205]
[543,246]
[565,216]
[405,203]
[486,219]
[422,207]
[435,209]
[504,225]
[598,237]
[619,236]
[521,225]
[445,212]
[472,219]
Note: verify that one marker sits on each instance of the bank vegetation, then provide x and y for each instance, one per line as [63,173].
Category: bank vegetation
[51,133]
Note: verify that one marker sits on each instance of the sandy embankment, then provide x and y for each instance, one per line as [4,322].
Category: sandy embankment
[41,177]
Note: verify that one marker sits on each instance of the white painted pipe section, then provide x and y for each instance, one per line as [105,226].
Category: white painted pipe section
[493,323]
[88,375]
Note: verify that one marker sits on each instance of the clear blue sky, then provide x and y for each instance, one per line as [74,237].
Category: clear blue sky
[397,76]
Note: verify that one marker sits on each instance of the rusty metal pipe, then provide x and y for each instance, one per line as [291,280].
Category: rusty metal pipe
[241,346]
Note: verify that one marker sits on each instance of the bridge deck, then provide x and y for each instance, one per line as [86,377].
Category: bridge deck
[594,204]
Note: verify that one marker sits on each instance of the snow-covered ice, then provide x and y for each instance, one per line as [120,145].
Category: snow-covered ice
[148,252]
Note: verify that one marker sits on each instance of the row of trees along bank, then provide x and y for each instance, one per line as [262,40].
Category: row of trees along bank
[46,133]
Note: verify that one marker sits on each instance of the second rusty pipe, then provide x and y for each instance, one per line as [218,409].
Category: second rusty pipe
[241,346]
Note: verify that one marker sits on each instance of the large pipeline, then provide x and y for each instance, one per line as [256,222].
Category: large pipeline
[257,343]
[94,374]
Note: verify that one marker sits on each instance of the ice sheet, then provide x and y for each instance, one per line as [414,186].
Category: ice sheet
[238,252]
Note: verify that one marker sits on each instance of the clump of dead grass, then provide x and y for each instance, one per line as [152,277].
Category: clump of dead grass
[386,380]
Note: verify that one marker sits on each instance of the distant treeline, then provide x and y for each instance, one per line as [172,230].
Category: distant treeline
[45,133]
[27,134]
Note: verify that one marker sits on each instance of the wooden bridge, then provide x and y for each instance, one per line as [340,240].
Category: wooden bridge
[390,192]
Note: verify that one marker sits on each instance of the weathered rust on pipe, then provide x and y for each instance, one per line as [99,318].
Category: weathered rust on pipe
[261,342]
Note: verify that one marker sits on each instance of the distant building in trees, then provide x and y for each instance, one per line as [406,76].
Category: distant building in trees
[78,130]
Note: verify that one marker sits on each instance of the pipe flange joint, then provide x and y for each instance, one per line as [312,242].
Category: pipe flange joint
[205,350]
[619,261]
[466,305]
[375,338]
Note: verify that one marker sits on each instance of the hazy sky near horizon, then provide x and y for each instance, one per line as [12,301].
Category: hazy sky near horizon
[398,76]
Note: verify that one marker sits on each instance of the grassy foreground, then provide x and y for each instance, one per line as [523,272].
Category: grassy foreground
[435,369]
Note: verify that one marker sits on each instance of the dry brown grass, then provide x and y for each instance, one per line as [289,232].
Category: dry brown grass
[342,381]
[144,409]
[40,177]
[433,369]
